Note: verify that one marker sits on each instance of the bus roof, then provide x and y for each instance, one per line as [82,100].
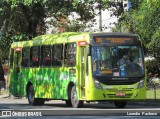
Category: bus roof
[64,38]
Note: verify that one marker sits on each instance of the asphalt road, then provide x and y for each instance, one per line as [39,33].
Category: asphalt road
[19,108]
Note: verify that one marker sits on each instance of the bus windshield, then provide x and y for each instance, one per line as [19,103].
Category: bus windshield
[117,61]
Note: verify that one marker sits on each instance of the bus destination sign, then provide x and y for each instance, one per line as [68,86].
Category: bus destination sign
[115,40]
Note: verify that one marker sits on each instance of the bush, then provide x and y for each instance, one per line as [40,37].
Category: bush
[153,67]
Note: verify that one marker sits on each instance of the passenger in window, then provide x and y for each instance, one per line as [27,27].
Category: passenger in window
[124,60]
[57,60]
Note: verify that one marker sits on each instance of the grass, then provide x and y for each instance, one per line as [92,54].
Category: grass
[2,92]
[150,94]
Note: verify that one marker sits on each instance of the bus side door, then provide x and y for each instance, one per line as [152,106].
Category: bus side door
[82,70]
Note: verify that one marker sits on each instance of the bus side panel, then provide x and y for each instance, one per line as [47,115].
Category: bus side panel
[39,85]
[26,77]
[49,83]
[54,81]
[51,79]
[66,77]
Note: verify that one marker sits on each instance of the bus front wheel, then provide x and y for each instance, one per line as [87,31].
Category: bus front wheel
[120,104]
[74,98]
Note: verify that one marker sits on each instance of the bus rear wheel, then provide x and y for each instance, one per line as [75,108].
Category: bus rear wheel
[120,104]
[33,101]
[74,98]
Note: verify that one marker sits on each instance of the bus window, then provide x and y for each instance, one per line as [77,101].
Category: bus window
[70,54]
[35,56]
[117,61]
[11,58]
[25,56]
[107,58]
[57,55]
[46,56]
[132,63]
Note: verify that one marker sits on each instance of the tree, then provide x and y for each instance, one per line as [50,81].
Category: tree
[146,24]
[23,20]
[143,18]
[122,9]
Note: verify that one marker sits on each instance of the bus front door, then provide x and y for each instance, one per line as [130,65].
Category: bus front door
[18,84]
[82,70]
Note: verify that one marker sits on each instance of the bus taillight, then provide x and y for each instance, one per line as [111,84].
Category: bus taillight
[18,49]
[82,43]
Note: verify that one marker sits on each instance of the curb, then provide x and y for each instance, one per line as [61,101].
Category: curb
[145,103]
[4,96]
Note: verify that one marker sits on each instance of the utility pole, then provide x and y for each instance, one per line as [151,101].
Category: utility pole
[100,15]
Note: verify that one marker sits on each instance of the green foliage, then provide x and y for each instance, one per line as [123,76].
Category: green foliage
[143,18]
[150,94]
[153,67]
[25,19]
[146,21]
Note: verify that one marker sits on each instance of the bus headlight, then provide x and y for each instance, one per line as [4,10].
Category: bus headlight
[97,84]
[141,84]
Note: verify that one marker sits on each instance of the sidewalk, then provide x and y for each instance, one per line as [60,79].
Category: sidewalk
[4,95]
[147,102]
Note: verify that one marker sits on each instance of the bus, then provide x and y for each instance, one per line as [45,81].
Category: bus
[78,67]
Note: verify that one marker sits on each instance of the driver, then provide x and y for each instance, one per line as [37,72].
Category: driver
[124,60]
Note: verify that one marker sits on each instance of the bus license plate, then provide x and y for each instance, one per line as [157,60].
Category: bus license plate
[120,94]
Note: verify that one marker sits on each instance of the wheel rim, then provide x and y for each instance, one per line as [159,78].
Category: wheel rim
[74,97]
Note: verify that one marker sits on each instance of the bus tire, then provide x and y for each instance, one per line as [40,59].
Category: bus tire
[40,101]
[120,104]
[74,98]
[30,95]
[33,101]
[68,102]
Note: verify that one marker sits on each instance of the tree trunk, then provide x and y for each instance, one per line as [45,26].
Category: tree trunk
[2,80]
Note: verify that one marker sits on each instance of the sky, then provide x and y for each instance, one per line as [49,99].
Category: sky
[107,21]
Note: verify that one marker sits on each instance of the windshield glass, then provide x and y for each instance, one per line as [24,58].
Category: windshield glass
[123,61]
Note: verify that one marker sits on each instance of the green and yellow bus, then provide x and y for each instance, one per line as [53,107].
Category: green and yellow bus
[77,67]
